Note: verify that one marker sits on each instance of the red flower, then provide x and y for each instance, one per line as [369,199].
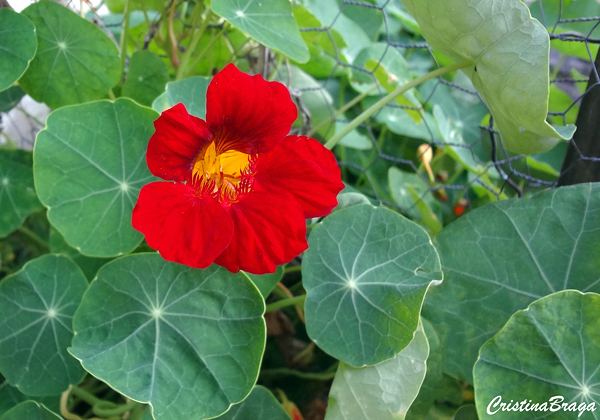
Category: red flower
[243,187]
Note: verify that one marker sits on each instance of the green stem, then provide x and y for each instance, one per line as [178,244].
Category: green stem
[391,96]
[341,111]
[189,52]
[295,301]
[325,376]
[85,396]
[292,269]
[110,410]
[138,412]
[124,33]
[34,237]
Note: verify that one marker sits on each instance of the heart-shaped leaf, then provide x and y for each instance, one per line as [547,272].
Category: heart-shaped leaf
[11,397]
[188,342]
[381,392]
[366,272]
[501,257]
[510,52]
[17,46]
[550,351]
[270,22]
[36,308]
[17,195]
[89,165]
[76,62]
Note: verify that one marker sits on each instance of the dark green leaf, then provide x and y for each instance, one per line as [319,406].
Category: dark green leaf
[146,78]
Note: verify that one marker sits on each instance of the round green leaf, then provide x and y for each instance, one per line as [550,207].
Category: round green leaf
[501,257]
[191,92]
[36,308]
[381,392]
[260,404]
[76,61]
[550,349]
[89,165]
[17,46]
[146,78]
[17,195]
[30,410]
[189,342]
[510,50]
[270,22]
[366,272]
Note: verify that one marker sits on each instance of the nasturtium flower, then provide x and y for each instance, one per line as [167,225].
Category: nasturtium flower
[243,187]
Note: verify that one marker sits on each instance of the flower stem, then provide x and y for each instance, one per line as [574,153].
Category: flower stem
[292,269]
[107,410]
[124,33]
[324,376]
[391,96]
[82,394]
[187,56]
[34,237]
[294,301]
[340,111]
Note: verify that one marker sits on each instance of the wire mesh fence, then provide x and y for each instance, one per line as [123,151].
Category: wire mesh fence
[469,159]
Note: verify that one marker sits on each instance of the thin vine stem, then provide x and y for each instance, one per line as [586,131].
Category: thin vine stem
[391,96]
[124,33]
[34,237]
[323,376]
[294,301]
[192,47]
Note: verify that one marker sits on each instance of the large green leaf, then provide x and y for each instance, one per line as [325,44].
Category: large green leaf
[381,392]
[36,308]
[260,404]
[270,22]
[510,51]
[189,342]
[146,78]
[17,46]
[76,62]
[30,410]
[191,92]
[550,349]
[501,257]
[366,272]
[17,195]
[89,165]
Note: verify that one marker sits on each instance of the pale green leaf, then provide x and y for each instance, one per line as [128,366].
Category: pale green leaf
[366,272]
[266,282]
[36,311]
[381,392]
[89,165]
[191,92]
[188,342]
[510,52]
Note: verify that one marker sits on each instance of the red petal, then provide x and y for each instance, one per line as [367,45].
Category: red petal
[247,113]
[175,145]
[301,168]
[182,227]
[269,230]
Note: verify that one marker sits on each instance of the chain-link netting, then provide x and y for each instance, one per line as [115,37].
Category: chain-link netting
[441,140]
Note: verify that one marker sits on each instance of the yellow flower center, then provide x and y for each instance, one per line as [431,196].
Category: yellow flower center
[222,175]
